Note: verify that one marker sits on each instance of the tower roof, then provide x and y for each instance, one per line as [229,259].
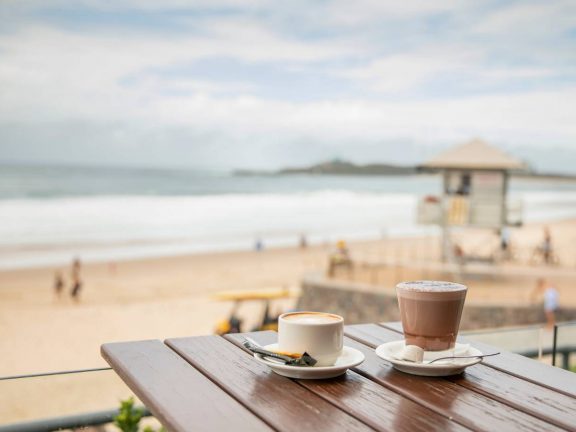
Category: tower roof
[475,154]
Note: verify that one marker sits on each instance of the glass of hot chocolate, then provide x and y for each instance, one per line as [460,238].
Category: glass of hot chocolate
[430,313]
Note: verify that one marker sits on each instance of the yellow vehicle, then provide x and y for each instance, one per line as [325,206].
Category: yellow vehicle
[268,321]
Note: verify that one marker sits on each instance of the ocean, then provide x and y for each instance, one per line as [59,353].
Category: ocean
[50,214]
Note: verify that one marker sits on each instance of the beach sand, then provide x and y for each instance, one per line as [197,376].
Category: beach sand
[172,297]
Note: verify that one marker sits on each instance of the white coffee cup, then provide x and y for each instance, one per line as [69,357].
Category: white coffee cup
[319,334]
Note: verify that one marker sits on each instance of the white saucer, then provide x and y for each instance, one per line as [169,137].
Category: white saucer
[390,351]
[350,357]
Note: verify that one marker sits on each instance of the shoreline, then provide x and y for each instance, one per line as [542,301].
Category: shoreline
[103,228]
[193,249]
[189,249]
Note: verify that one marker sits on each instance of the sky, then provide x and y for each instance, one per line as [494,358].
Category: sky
[263,84]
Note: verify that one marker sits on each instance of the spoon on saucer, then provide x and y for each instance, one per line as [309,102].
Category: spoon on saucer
[480,356]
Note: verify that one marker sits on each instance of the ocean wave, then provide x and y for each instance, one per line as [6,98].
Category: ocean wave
[51,231]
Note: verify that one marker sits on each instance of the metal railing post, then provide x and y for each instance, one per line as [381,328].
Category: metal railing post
[554,338]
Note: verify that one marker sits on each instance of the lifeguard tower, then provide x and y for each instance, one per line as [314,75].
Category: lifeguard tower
[475,191]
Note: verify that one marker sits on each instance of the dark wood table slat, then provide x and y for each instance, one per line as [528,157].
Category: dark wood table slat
[178,395]
[539,401]
[554,407]
[470,408]
[213,383]
[367,400]
[281,402]
[556,379]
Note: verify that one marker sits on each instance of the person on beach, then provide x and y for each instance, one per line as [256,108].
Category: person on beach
[549,295]
[339,258]
[76,280]
[546,246]
[58,284]
[303,241]
[505,242]
[459,254]
[545,249]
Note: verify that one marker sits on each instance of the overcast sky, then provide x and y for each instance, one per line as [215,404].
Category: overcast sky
[255,83]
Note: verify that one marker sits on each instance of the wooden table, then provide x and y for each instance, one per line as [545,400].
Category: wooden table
[210,383]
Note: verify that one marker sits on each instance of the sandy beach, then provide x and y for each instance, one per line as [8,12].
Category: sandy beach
[172,297]
[169,297]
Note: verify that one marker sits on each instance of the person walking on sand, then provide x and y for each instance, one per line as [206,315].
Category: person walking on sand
[547,246]
[76,280]
[58,284]
[545,249]
[550,296]
[505,242]
[303,241]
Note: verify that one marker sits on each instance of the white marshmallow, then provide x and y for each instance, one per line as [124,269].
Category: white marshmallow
[413,353]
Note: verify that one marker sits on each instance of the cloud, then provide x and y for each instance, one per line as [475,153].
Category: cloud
[526,19]
[399,72]
[356,80]
[451,66]
[246,131]
[342,12]
[63,70]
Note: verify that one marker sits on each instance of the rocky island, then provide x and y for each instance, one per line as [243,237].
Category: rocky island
[337,167]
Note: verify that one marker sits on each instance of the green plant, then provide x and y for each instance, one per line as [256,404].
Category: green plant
[128,417]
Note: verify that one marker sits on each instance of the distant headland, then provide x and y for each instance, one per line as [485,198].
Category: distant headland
[337,167]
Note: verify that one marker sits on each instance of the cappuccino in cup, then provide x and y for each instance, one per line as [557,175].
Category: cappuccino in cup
[319,334]
[312,317]
[430,312]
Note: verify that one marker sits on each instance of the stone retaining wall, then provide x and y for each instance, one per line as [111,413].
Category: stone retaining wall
[360,303]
